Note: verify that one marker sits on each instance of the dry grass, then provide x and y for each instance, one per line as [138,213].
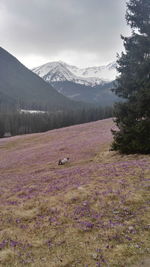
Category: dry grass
[92,212]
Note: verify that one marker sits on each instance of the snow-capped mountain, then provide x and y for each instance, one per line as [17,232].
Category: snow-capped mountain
[60,71]
[92,85]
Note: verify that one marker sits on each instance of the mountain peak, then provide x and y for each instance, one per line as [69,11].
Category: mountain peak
[91,76]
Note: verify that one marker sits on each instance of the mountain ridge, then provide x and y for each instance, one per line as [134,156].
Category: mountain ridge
[78,83]
[57,71]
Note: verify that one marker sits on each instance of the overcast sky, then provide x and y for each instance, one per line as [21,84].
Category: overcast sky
[79,32]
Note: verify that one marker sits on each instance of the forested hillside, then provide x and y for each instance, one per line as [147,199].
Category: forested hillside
[22,88]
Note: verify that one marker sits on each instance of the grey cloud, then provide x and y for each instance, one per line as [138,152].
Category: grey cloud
[48,27]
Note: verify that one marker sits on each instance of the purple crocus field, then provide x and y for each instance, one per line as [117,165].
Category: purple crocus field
[93,211]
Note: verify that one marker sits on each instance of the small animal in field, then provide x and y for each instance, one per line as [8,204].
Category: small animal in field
[63,161]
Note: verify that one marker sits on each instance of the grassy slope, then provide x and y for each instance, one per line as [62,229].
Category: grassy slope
[92,212]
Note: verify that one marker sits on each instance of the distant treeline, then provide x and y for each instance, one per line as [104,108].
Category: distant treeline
[16,123]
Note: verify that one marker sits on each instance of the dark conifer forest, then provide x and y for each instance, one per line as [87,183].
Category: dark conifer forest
[133,83]
[16,123]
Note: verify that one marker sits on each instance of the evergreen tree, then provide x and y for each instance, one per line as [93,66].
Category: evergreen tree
[133,83]
[2,128]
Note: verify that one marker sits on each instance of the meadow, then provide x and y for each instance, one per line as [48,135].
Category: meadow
[93,211]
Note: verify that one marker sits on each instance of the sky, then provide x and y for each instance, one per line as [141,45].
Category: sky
[80,32]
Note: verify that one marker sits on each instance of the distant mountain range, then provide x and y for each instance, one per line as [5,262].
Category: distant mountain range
[60,71]
[91,84]
[21,87]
